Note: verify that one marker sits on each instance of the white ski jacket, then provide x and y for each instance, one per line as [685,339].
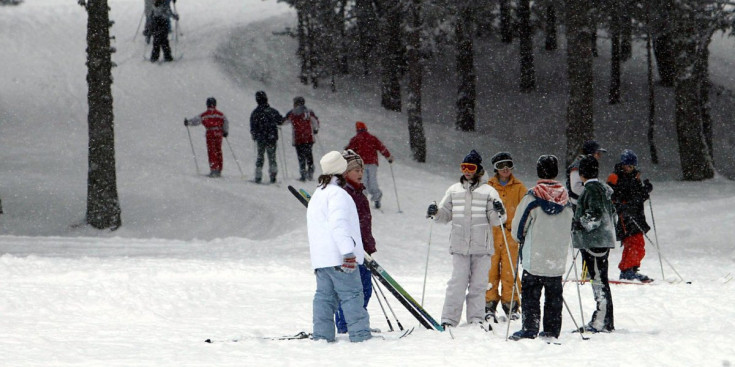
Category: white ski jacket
[334,227]
[470,209]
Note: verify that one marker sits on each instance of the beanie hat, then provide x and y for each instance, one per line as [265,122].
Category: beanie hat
[211,102]
[333,163]
[353,160]
[589,167]
[547,167]
[501,157]
[592,147]
[628,158]
[360,126]
[261,98]
[299,101]
[475,158]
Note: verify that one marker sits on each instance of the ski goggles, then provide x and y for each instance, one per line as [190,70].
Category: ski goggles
[503,165]
[468,167]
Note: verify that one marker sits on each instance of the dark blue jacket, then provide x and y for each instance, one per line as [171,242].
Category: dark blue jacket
[264,123]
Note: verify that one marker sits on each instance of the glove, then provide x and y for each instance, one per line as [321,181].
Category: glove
[224,134]
[647,186]
[316,132]
[349,263]
[577,226]
[186,122]
[498,206]
[432,211]
[176,16]
[390,159]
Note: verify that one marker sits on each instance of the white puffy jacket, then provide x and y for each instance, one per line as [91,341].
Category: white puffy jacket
[470,209]
[334,227]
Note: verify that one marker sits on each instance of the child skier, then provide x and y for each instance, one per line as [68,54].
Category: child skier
[354,187]
[336,250]
[628,196]
[541,225]
[511,191]
[593,233]
[305,125]
[217,128]
[473,207]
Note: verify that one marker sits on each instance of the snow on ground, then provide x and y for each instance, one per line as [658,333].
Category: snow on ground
[199,258]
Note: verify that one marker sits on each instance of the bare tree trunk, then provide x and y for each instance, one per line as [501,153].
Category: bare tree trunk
[391,56]
[701,71]
[626,33]
[506,22]
[651,102]
[416,136]
[103,206]
[615,56]
[528,71]
[302,50]
[466,93]
[592,23]
[580,126]
[551,41]
[696,162]
[366,25]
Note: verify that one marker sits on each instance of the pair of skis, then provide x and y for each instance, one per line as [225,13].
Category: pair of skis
[385,279]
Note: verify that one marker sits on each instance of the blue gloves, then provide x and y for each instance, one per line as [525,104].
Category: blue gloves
[349,263]
[498,207]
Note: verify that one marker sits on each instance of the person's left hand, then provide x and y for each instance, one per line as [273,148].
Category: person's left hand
[498,207]
[224,134]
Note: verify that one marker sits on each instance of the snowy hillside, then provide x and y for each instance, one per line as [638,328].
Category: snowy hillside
[198,258]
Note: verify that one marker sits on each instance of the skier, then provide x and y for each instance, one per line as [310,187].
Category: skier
[305,125]
[628,196]
[574,183]
[147,8]
[336,250]
[160,25]
[354,187]
[541,225]
[367,146]
[217,128]
[593,232]
[264,123]
[473,207]
[511,191]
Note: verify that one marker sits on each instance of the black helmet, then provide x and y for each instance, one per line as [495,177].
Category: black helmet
[501,157]
[260,97]
[211,102]
[547,167]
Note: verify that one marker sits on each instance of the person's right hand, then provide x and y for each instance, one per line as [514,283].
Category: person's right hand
[186,122]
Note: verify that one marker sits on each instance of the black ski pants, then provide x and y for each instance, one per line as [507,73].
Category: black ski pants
[553,303]
[160,40]
[596,261]
[306,161]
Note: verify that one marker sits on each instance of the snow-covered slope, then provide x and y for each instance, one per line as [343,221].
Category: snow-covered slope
[198,258]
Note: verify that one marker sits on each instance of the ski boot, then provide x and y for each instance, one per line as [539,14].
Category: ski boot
[490,314]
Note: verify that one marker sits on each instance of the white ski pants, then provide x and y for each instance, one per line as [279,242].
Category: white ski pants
[468,283]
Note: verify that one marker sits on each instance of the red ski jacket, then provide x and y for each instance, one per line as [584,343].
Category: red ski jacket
[367,146]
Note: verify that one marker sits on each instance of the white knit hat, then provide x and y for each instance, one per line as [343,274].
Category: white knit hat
[333,163]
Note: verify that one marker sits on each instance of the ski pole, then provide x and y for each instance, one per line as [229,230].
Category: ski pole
[395,188]
[381,306]
[192,149]
[426,269]
[283,153]
[659,251]
[655,235]
[579,293]
[233,156]
[400,327]
[515,279]
[576,325]
[142,15]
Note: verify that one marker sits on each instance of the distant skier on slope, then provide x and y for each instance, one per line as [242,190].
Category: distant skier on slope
[217,128]
[305,125]
[264,121]
[367,146]
[160,26]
